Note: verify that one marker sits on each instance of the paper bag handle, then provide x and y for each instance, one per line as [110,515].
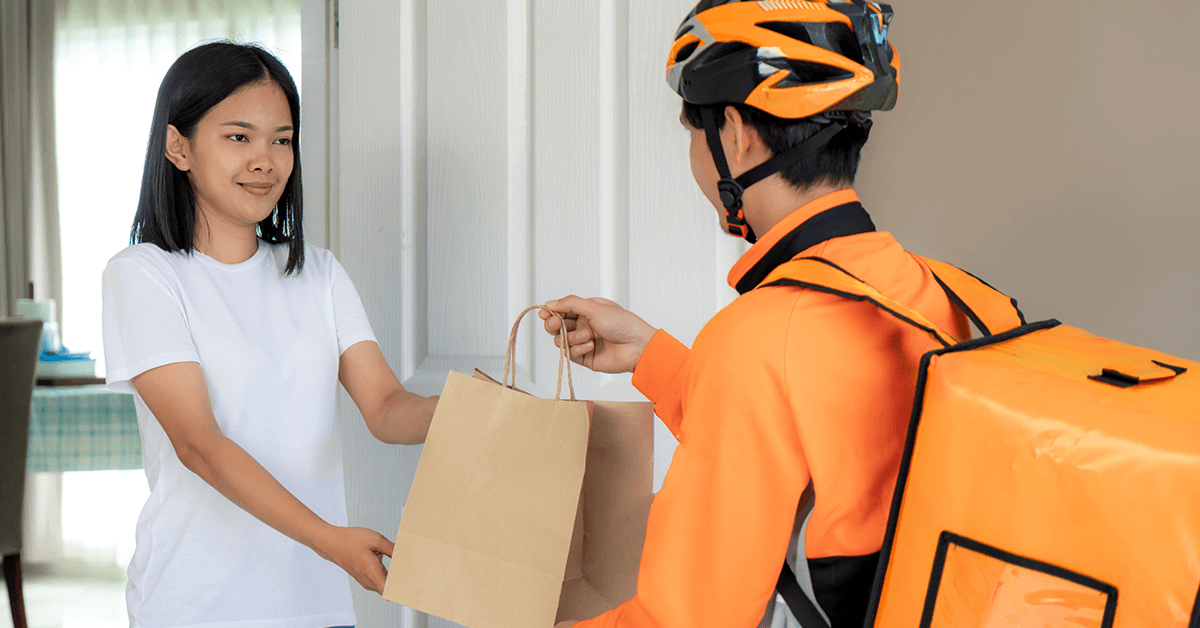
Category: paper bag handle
[564,353]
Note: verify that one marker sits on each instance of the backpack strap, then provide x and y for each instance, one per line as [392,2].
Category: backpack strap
[800,598]
[823,275]
[990,311]
[802,607]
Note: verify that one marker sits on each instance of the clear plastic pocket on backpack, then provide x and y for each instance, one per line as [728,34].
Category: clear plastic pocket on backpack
[976,585]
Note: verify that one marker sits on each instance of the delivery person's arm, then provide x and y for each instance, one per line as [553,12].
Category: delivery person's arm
[610,339]
[719,529]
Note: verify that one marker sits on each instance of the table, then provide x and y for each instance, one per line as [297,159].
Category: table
[82,428]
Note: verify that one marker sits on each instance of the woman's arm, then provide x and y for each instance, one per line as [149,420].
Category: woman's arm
[393,414]
[178,396]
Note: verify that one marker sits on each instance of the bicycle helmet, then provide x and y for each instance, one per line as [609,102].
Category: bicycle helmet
[827,61]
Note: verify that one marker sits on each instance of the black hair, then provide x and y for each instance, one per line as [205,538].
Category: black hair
[836,163]
[198,81]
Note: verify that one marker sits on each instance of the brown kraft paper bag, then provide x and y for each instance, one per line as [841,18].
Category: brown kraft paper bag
[524,511]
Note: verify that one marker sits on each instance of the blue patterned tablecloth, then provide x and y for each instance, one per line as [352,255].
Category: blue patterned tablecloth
[83,428]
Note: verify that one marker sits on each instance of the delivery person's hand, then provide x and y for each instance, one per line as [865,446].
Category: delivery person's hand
[359,552]
[604,336]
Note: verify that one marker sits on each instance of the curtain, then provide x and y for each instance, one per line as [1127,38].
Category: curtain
[28,204]
[45,259]
[96,101]
[28,209]
[15,187]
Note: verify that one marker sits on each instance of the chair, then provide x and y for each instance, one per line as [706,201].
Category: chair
[20,341]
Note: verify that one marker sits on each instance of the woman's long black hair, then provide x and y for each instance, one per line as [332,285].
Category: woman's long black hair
[198,81]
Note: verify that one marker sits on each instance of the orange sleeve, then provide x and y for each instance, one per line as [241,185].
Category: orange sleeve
[719,529]
[659,375]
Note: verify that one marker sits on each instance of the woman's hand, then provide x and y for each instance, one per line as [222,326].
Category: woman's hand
[359,552]
[604,336]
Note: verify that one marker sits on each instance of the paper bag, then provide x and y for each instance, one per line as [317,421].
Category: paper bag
[610,526]
[495,507]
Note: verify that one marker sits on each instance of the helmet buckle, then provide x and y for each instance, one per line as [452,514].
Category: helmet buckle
[731,194]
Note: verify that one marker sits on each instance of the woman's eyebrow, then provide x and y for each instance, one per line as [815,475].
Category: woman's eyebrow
[247,125]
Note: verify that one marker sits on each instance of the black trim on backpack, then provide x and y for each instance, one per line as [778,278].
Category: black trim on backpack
[836,222]
[910,441]
[1195,623]
[1179,370]
[947,538]
[1020,314]
[832,265]
[963,306]
[860,297]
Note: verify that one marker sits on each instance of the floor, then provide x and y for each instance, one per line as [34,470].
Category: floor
[76,599]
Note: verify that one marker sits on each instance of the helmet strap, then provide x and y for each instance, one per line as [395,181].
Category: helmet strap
[731,189]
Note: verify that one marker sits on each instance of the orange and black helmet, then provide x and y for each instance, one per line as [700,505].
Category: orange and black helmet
[788,58]
[828,61]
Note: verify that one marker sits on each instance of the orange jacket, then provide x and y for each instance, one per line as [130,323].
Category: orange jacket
[783,386]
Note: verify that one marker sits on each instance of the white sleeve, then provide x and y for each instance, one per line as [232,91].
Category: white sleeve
[143,322]
[348,312]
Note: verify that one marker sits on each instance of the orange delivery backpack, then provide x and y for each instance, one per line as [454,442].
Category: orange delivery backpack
[1050,478]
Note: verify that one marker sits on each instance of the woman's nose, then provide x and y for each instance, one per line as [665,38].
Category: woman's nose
[261,161]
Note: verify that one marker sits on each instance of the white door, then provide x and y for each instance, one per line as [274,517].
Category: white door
[497,154]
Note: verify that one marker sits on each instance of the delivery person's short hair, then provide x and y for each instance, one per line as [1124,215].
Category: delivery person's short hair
[834,163]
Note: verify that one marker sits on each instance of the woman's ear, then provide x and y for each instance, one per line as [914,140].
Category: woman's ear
[178,150]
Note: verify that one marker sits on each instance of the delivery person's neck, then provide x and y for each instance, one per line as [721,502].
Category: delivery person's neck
[773,199]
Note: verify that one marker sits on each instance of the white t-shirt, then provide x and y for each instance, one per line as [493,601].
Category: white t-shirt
[269,346]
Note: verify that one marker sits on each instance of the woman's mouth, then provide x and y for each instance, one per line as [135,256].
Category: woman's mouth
[257,189]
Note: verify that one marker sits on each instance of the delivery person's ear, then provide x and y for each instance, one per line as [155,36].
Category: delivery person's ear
[745,141]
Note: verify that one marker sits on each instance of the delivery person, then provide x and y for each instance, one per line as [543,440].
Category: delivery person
[786,388]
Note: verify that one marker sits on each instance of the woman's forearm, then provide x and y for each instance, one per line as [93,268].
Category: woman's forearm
[234,473]
[394,415]
[404,418]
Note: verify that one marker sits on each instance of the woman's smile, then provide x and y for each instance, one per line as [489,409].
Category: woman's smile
[258,188]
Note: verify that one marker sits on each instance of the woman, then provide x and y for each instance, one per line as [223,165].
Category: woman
[233,335]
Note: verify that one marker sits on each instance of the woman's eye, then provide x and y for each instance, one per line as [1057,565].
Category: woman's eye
[286,141]
[238,137]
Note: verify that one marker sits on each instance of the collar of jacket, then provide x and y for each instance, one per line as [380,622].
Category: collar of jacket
[834,215]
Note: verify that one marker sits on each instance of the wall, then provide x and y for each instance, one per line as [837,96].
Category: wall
[1047,147]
